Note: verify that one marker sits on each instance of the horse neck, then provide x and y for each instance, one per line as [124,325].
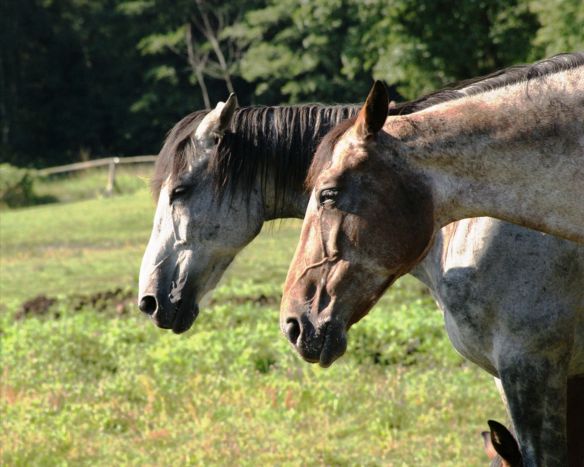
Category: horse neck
[515,153]
[297,130]
[292,203]
[428,270]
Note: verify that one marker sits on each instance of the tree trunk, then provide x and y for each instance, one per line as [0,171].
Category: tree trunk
[5,131]
[211,36]
[196,66]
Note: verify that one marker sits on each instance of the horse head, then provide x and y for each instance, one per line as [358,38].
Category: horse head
[367,223]
[197,231]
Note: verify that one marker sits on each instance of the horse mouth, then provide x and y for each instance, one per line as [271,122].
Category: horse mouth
[184,319]
[183,300]
[180,321]
[324,346]
[334,346]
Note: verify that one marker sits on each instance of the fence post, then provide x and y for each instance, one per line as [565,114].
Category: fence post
[111,176]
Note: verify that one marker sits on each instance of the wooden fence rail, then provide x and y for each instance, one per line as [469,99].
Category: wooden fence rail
[111,162]
[96,163]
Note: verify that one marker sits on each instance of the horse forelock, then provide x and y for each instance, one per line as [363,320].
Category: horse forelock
[324,151]
[177,150]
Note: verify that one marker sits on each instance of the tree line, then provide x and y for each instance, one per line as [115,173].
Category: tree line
[88,78]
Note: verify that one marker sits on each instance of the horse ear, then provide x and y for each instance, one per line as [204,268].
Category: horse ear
[505,444]
[372,115]
[227,112]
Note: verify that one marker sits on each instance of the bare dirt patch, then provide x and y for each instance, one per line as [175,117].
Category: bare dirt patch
[116,302]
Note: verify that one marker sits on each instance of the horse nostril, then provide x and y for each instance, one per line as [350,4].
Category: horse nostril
[292,330]
[148,304]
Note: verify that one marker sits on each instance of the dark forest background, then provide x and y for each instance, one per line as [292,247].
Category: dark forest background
[92,78]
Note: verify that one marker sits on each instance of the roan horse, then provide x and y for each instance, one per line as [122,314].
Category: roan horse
[221,174]
[513,299]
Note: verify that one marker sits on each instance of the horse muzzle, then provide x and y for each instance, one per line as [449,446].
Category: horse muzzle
[322,343]
[178,315]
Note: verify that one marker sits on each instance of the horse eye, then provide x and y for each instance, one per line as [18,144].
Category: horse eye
[328,197]
[177,192]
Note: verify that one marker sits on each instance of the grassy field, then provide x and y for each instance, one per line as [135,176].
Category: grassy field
[88,380]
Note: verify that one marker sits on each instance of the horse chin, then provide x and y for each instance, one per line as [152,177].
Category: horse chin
[334,345]
[323,346]
[184,304]
[184,319]
[181,322]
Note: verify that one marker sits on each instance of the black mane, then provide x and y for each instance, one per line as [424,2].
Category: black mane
[276,142]
[282,140]
[176,151]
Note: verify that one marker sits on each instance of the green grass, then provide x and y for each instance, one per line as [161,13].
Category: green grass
[80,247]
[94,382]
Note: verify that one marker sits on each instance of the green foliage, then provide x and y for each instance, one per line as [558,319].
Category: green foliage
[111,77]
[70,76]
[16,186]
[157,43]
[425,44]
[301,51]
[561,26]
